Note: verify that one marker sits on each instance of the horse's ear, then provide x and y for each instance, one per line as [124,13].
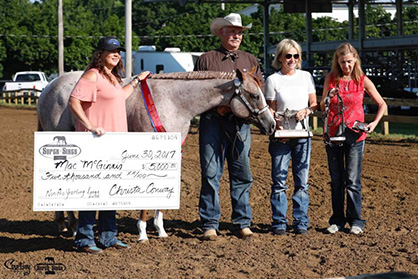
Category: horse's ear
[252,73]
[239,75]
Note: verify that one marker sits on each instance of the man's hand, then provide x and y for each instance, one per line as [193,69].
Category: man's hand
[222,110]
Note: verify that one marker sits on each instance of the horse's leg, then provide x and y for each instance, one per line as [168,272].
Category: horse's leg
[72,222]
[60,220]
[142,226]
[159,223]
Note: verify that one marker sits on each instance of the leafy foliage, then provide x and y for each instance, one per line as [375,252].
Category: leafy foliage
[29,29]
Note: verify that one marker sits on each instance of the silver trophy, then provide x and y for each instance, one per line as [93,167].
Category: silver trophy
[339,136]
[288,132]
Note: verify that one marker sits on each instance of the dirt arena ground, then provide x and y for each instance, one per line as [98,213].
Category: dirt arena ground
[390,242]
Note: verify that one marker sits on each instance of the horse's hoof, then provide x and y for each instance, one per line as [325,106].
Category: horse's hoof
[162,234]
[143,240]
[159,226]
[142,228]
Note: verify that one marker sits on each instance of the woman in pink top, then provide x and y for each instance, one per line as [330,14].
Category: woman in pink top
[98,102]
[345,85]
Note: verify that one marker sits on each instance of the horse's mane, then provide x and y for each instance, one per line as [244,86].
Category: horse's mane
[195,75]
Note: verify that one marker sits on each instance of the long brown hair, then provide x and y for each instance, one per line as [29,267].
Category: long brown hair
[336,71]
[97,63]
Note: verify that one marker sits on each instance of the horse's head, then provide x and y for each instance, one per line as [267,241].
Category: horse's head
[249,103]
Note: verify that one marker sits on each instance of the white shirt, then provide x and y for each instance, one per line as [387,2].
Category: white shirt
[290,92]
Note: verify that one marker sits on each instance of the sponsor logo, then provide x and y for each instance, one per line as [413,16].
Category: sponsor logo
[50,266]
[59,149]
[16,266]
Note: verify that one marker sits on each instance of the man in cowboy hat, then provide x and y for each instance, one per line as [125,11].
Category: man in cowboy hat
[221,135]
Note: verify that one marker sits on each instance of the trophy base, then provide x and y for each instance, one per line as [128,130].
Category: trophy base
[337,139]
[292,134]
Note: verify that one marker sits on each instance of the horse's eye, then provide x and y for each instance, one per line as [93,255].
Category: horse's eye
[255,97]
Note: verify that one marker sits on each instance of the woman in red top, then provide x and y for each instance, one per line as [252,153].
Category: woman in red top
[345,87]
[98,103]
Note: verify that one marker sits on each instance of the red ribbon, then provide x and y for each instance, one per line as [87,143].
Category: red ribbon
[150,106]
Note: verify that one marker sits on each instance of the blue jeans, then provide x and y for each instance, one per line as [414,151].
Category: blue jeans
[106,226]
[345,164]
[300,152]
[214,147]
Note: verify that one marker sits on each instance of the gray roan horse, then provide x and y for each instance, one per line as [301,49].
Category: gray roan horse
[178,97]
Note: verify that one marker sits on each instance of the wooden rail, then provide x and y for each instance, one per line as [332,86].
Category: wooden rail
[21,97]
[386,119]
[30,97]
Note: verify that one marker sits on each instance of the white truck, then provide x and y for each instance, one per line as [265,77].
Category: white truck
[147,58]
[27,83]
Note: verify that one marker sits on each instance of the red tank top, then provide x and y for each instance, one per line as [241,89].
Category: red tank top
[352,94]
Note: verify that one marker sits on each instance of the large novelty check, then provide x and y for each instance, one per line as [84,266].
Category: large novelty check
[79,171]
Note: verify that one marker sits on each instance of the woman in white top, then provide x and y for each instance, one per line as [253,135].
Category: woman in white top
[293,89]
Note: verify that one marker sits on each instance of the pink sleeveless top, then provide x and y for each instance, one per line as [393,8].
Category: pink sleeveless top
[352,95]
[103,103]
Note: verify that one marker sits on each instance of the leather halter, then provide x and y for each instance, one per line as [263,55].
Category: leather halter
[254,111]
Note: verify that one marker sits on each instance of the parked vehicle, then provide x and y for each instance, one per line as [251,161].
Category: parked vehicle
[147,58]
[27,83]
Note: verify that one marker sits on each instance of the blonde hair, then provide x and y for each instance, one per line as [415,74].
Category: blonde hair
[282,48]
[336,71]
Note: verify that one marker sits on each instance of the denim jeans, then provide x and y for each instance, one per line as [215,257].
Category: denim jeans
[214,147]
[345,164]
[300,152]
[106,226]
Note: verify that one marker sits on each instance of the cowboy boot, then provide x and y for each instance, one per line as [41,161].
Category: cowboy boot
[73,226]
[72,223]
[142,228]
[60,220]
[159,224]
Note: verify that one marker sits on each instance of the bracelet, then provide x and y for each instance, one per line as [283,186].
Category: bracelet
[310,110]
[135,81]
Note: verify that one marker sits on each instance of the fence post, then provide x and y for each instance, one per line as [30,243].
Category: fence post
[314,123]
[385,128]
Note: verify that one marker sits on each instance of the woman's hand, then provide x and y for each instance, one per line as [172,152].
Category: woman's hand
[303,113]
[141,76]
[99,131]
[371,126]
[332,92]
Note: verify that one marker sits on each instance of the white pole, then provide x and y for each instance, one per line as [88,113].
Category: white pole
[60,40]
[128,38]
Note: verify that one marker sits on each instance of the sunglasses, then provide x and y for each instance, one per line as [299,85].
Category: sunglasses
[288,56]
